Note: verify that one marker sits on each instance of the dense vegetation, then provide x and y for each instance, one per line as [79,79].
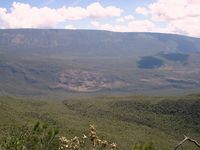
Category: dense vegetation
[181,57]
[149,62]
[129,121]
[40,137]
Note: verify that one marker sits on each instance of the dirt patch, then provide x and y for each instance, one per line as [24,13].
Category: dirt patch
[86,81]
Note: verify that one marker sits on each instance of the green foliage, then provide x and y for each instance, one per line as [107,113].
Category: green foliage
[40,137]
[185,112]
[143,146]
[122,119]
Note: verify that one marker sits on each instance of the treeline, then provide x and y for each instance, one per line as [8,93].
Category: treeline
[180,115]
[182,112]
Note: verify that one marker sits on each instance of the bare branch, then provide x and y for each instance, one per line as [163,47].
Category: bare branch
[187,139]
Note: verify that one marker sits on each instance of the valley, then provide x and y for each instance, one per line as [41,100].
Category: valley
[135,87]
[89,61]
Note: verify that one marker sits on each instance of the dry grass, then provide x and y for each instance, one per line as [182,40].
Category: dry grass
[90,141]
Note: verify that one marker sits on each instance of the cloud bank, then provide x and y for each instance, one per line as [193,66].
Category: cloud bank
[181,16]
[176,16]
[23,15]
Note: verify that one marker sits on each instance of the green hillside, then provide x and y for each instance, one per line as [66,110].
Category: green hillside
[125,120]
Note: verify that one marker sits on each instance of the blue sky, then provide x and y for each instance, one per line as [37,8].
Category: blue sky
[166,16]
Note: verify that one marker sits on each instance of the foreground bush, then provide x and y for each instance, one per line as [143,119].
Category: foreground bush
[42,137]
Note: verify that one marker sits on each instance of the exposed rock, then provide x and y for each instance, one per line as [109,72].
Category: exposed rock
[86,81]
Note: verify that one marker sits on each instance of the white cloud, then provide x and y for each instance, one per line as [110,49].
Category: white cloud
[120,20]
[95,10]
[70,26]
[125,18]
[132,26]
[129,17]
[141,10]
[72,13]
[95,23]
[25,16]
[141,25]
[181,16]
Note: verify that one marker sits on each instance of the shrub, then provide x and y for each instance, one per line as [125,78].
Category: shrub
[143,146]
[40,137]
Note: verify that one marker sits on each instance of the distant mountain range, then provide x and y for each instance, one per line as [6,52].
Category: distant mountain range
[54,61]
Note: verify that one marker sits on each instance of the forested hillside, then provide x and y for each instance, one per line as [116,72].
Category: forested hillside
[125,120]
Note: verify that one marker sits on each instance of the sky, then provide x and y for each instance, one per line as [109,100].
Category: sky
[164,16]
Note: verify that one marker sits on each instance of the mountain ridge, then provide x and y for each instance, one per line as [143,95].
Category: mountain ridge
[57,29]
